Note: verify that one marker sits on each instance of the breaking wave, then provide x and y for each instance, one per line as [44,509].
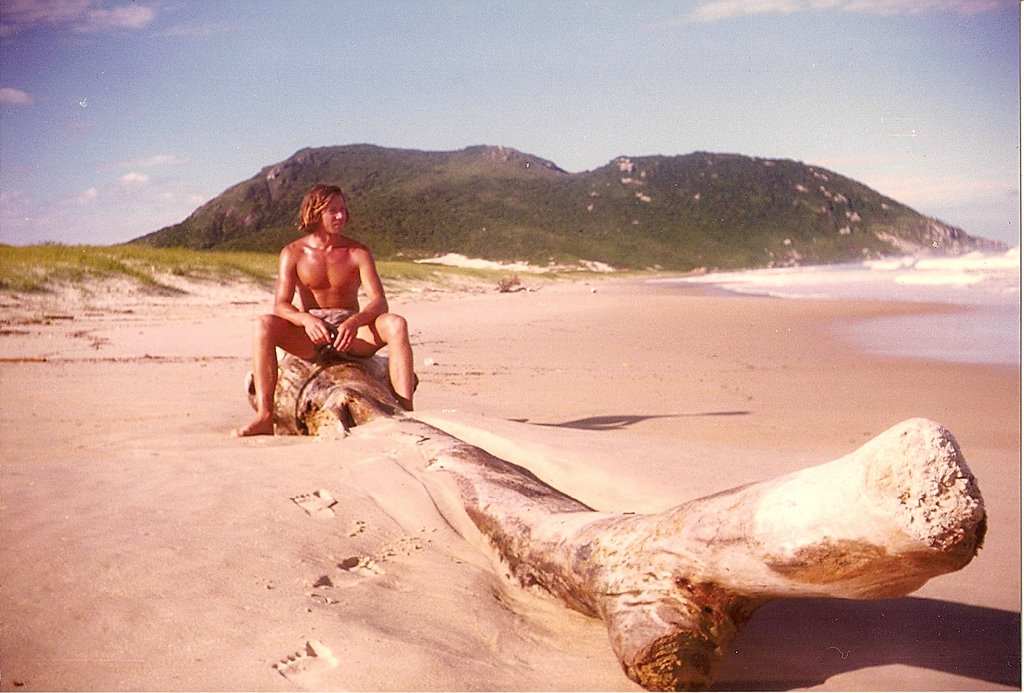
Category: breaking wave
[971,279]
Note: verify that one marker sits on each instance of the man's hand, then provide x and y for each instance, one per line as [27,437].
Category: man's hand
[319,331]
[346,335]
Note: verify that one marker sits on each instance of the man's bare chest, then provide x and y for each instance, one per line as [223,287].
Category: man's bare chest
[328,271]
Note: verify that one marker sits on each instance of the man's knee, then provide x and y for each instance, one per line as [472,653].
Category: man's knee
[392,328]
[264,325]
[269,328]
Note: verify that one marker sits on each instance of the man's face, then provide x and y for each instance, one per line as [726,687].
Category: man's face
[335,215]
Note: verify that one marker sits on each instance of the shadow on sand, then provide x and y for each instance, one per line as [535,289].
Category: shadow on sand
[619,421]
[799,643]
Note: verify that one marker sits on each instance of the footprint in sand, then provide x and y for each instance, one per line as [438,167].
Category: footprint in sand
[367,565]
[317,503]
[323,585]
[405,546]
[361,565]
[323,581]
[315,658]
[321,599]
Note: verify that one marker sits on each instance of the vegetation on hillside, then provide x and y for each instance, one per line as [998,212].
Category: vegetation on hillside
[677,213]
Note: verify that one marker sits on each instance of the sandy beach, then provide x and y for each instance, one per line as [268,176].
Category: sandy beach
[143,548]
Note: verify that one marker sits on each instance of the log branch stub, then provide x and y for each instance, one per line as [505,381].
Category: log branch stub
[674,588]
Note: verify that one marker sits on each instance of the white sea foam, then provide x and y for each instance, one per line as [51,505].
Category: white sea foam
[969,279]
[986,330]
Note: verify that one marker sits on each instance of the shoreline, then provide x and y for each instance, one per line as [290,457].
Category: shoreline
[191,566]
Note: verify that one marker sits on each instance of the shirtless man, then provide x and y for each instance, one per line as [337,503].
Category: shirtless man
[326,269]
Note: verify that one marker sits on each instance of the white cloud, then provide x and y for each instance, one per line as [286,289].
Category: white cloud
[717,10]
[134,178]
[13,198]
[88,197]
[153,161]
[31,12]
[722,10]
[123,17]
[81,16]
[15,97]
[112,212]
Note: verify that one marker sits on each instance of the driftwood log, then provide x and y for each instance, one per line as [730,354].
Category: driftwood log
[330,395]
[674,588]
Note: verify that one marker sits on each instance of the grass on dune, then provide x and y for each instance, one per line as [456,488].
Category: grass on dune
[40,268]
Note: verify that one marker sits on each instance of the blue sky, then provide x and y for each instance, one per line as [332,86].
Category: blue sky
[118,118]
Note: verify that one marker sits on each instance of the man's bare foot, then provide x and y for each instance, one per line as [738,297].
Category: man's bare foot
[259,427]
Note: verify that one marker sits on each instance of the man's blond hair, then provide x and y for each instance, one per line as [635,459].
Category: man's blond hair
[315,202]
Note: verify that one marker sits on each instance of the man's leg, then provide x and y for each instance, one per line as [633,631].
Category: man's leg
[271,332]
[400,364]
[392,330]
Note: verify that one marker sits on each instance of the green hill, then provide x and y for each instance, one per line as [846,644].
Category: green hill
[672,212]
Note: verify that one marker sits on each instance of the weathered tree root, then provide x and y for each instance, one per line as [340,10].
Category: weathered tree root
[674,588]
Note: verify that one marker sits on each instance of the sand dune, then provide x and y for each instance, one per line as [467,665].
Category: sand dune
[141,547]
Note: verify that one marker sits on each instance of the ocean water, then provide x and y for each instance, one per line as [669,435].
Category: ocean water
[982,290]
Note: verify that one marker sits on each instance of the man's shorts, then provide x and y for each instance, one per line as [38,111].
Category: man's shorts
[333,317]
